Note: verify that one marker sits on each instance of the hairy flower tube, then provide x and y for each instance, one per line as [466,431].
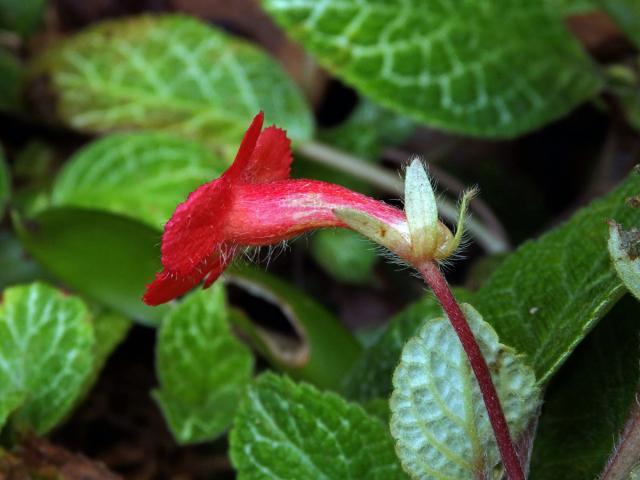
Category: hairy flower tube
[254,203]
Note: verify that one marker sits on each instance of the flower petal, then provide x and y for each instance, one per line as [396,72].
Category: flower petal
[271,159]
[167,287]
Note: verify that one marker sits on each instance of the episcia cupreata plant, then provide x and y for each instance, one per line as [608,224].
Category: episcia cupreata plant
[254,203]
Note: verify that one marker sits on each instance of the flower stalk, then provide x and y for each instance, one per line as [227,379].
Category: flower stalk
[433,277]
[255,203]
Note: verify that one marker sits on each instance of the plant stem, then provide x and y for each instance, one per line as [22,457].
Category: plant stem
[433,277]
[626,455]
[382,178]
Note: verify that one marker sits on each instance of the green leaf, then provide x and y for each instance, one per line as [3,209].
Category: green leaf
[202,368]
[286,431]
[21,16]
[626,13]
[587,403]
[321,351]
[544,298]
[15,265]
[46,345]
[370,378]
[106,257]
[438,416]
[11,78]
[368,129]
[169,73]
[624,248]
[110,329]
[5,183]
[344,254]
[141,175]
[429,60]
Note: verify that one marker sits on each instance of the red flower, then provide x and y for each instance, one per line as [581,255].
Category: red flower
[253,203]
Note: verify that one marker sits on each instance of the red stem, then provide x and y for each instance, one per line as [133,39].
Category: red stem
[433,277]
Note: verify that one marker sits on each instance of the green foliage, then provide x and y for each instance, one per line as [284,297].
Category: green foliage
[344,254]
[438,416]
[169,73]
[106,257]
[470,67]
[202,368]
[324,349]
[588,402]
[140,175]
[110,329]
[624,248]
[46,345]
[285,431]
[370,377]
[626,13]
[11,76]
[15,265]
[545,297]
[5,183]
[21,16]
[367,130]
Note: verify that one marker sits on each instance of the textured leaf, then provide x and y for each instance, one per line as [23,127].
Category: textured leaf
[370,378]
[469,67]
[344,254]
[545,297]
[169,73]
[202,368]
[624,248]
[438,416]
[5,185]
[587,403]
[320,350]
[286,431]
[143,175]
[46,344]
[107,258]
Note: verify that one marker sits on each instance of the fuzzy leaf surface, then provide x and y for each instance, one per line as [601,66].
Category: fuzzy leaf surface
[170,73]
[546,296]
[370,377]
[624,248]
[140,175]
[285,430]
[46,353]
[587,403]
[202,367]
[438,417]
[469,67]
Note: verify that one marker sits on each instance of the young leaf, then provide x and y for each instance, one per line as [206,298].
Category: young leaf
[545,297]
[438,417]
[426,59]
[141,175]
[5,183]
[106,257]
[624,248]
[370,378]
[46,354]
[587,403]
[169,73]
[202,368]
[285,430]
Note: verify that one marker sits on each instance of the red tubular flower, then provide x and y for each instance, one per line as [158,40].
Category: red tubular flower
[253,203]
